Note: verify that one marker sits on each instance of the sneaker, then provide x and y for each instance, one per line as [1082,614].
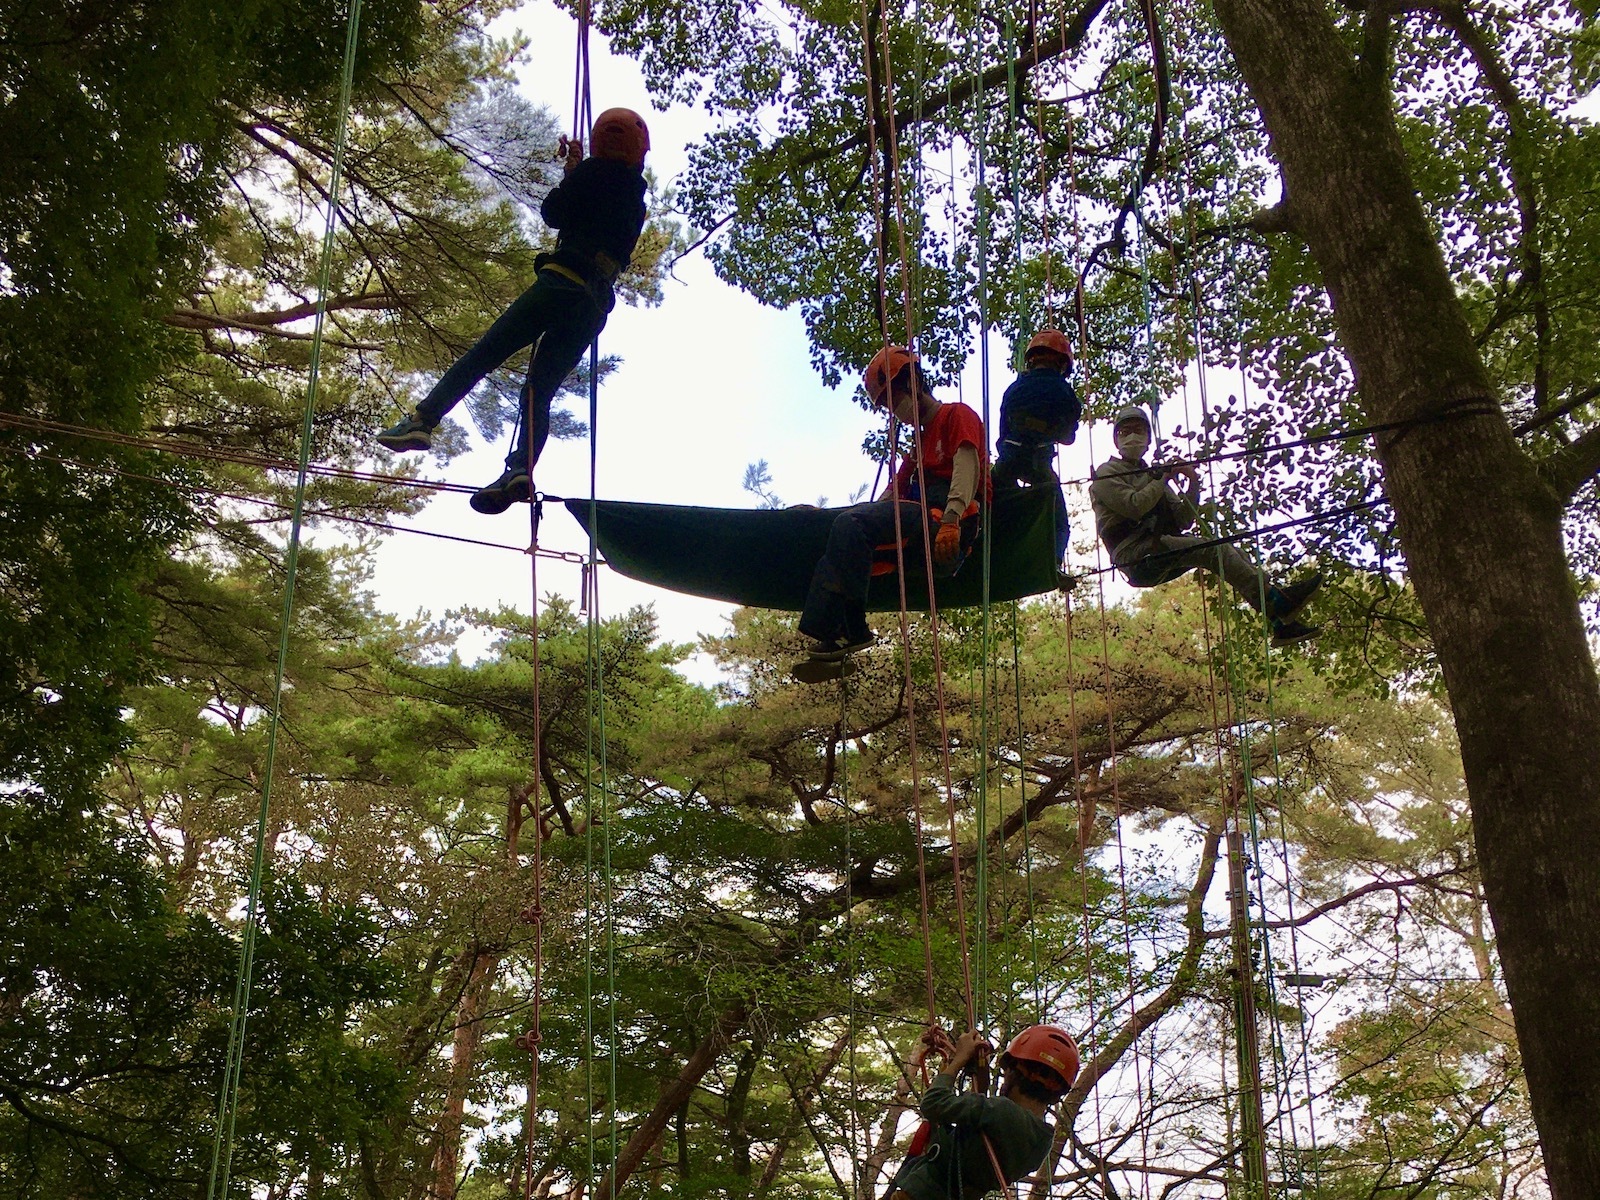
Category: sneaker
[1287,633]
[1286,602]
[409,433]
[838,649]
[500,495]
[817,670]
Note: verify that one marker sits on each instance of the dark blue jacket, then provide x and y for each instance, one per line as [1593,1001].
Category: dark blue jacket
[598,212]
[1039,407]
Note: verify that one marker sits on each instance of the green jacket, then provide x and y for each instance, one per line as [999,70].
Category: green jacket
[1021,1142]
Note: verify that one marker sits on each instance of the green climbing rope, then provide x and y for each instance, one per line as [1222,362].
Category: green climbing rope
[218,1180]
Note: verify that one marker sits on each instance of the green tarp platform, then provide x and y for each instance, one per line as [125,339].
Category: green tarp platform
[763,557]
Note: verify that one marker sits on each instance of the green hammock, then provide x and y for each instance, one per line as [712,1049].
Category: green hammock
[763,557]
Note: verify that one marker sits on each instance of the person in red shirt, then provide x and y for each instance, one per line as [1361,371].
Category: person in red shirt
[954,472]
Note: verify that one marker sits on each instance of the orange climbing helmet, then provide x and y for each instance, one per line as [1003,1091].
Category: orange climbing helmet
[1043,1046]
[884,368]
[1049,341]
[622,134]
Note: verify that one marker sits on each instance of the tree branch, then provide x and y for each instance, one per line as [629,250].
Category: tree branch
[1555,414]
[1498,80]
[1377,885]
[671,1099]
[1569,468]
[1073,31]
[372,301]
[1183,979]
[1117,241]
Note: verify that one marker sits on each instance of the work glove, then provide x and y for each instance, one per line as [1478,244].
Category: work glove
[947,545]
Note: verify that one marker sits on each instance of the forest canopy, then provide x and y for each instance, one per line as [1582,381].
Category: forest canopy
[739,905]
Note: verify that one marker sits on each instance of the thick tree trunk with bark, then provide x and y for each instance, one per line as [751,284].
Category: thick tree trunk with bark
[1480,524]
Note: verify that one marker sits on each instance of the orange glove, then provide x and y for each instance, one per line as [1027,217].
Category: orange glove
[947,545]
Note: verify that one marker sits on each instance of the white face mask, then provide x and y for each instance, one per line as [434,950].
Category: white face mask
[1132,442]
[905,408]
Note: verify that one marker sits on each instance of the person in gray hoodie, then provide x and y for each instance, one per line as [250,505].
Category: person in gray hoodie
[1142,521]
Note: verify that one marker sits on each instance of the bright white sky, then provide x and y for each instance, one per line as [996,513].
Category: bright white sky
[710,381]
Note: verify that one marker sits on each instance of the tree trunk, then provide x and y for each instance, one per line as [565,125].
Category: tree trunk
[672,1098]
[1482,538]
[737,1108]
[769,1173]
[463,1057]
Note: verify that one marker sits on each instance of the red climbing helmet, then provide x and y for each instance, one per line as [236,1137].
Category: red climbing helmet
[620,133]
[883,369]
[1049,341]
[1047,1046]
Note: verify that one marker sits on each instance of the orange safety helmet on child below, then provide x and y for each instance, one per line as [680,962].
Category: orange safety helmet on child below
[1044,1046]
[620,133]
[886,364]
[1049,341]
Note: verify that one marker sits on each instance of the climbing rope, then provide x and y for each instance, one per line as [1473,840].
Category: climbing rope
[219,1177]
[891,138]
[986,541]
[534,914]
[900,540]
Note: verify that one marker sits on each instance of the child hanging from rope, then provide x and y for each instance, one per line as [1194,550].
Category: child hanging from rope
[598,211]
[954,467]
[965,1137]
[1039,410]
[1141,520]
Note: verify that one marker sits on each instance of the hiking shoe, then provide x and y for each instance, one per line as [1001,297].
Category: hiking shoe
[820,670]
[839,649]
[502,493]
[1284,603]
[411,432]
[1287,633]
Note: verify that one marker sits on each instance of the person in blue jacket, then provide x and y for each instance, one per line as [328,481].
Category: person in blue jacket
[1039,411]
[598,211]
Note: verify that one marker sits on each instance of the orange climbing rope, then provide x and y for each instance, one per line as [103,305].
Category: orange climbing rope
[892,138]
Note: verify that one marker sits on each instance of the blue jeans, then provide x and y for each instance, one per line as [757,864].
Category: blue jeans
[559,319]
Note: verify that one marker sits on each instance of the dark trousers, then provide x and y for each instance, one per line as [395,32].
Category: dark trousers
[836,605]
[557,316]
[1023,462]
